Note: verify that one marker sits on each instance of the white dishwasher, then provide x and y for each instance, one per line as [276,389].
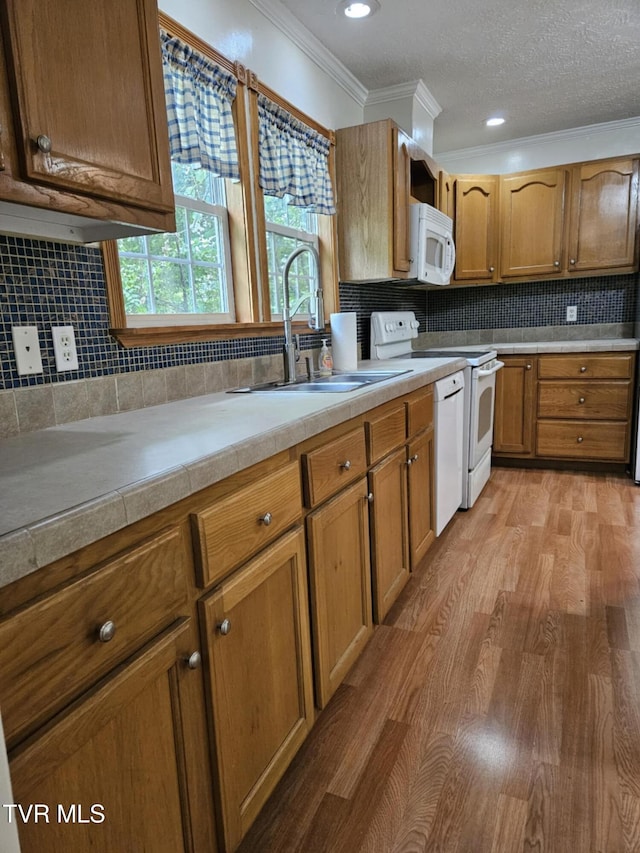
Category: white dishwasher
[448,406]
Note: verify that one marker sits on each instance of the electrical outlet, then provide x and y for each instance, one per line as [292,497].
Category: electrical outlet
[27,349]
[572,313]
[64,348]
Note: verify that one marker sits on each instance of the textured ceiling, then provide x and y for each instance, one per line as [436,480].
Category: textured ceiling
[546,65]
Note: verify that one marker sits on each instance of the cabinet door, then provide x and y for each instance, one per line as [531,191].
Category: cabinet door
[532,215]
[515,406]
[389,531]
[259,666]
[604,206]
[421,506]
[446,193]
[476,227]
[401,194]
[88,96]
[114,763]
[340,578]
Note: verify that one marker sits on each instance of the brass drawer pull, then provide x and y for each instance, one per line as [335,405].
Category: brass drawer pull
[107,631]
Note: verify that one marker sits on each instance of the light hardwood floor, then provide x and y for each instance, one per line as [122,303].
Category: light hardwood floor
[498,707]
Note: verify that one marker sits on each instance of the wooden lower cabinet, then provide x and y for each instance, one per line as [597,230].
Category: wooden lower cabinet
[340,585]
[389,516]
[515,406]
[574,406]
[112,768]
[422,532]
[257,645]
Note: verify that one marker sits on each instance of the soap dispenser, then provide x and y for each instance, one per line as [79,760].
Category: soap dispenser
[325,361]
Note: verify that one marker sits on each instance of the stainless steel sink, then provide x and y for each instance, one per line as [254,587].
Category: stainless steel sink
[335,384]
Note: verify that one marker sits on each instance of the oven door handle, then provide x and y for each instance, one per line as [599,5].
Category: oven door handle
[489,371]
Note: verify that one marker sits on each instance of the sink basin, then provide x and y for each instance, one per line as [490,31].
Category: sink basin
[335,384]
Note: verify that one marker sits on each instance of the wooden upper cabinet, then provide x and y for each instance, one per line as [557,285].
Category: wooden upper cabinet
[401,194]
[532,221]
[87,98]
[379,171]
[476,228]
[604,215]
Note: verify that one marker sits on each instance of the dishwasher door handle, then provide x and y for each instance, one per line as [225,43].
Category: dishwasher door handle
[453,393]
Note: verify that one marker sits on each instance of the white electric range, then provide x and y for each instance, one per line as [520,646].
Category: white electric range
[392,333]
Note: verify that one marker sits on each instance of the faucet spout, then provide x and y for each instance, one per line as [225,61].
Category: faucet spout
[316,318]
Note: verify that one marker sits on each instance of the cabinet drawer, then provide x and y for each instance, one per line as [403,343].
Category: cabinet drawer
[385,433]
[586,366]
[52,650]
[329,468]
[238,526]
[419,412]
[604,440]
[597,400]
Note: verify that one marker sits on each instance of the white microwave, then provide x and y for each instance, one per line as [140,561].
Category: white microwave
[433,254]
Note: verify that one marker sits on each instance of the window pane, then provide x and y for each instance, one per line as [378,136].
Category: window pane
[132,244]
[205,236]
[135,285]
[169,245]
[210,293]
[172,288]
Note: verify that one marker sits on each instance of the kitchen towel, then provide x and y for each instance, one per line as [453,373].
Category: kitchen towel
[344,341]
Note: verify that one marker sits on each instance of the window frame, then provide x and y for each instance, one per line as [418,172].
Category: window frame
[247,231]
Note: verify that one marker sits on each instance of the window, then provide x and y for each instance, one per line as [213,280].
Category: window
[182,278]
[287,227]
[220,274]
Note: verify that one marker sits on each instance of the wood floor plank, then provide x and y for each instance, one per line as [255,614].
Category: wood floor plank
[511,818]
[497,710]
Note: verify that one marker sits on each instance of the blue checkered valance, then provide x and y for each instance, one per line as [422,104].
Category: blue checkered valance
[294,159]
[199,94]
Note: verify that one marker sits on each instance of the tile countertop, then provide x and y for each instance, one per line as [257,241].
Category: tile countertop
[67,486]
[535,347]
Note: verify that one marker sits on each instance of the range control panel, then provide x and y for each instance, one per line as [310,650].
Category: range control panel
[392,332]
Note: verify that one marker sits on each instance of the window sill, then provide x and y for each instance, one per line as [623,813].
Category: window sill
[162,335]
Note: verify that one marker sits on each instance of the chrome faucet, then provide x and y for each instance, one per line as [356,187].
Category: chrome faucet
[291,352]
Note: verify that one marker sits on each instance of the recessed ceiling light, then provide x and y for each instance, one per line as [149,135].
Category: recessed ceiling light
[363,9]
[494,122]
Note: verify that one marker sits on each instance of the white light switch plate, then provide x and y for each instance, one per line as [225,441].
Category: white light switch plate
[27,349]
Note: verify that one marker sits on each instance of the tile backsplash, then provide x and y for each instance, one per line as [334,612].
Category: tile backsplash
[48,284]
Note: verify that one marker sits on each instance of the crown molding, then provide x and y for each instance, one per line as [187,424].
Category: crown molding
[281,18]
[571,135]
[414,89]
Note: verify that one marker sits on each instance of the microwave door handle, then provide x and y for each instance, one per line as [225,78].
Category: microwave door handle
[497,365]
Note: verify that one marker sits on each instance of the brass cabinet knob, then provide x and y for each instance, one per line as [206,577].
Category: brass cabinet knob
[194,660]
[224,627]
[266,519]
[107,631]
[44,143]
